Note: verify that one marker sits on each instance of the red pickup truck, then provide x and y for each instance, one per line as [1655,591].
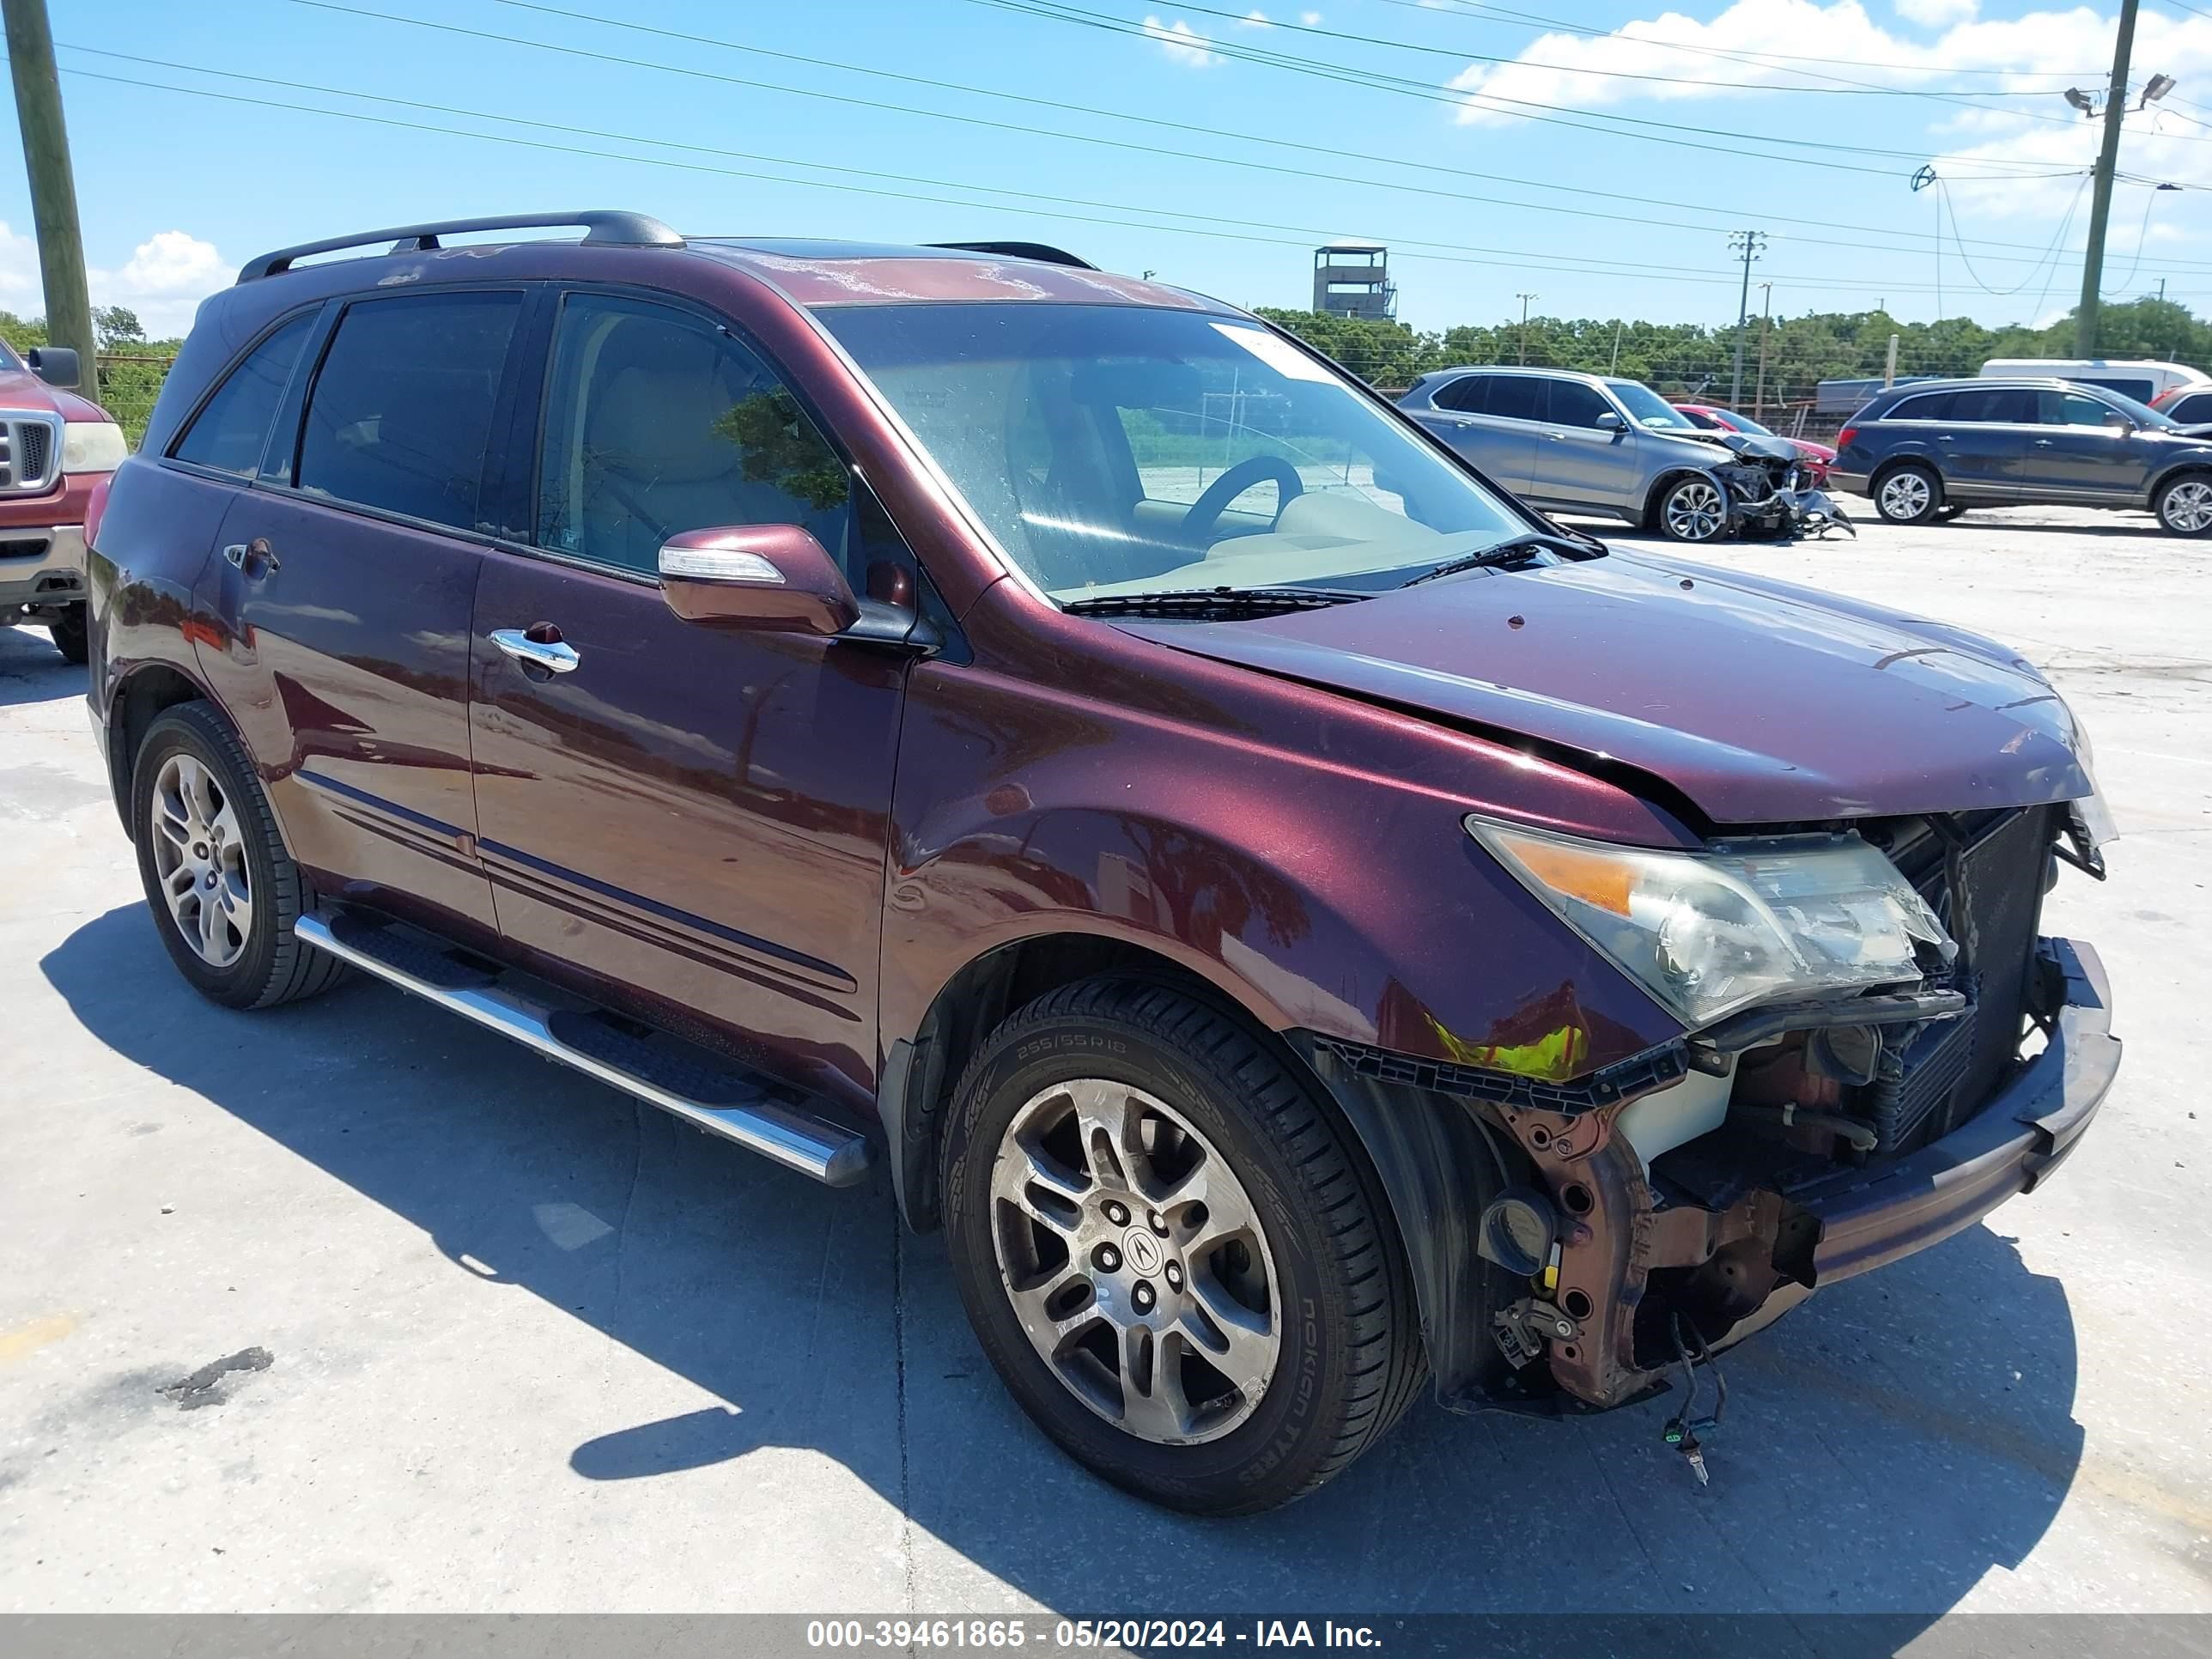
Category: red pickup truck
[55,449]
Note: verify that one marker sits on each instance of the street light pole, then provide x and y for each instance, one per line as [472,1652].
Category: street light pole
[1765,328]
[1524,298]
[53,186]
[2100,199]
[1749,243]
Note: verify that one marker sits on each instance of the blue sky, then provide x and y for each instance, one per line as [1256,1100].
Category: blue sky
[176,190]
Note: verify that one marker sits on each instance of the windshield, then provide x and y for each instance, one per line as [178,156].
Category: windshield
[1125,449]
[1745,423]
[7,358]
[1647,408]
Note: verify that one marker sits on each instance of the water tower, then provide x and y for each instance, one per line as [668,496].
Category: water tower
[1352,279]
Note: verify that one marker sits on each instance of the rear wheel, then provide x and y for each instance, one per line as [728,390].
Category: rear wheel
[1949,511]
[2183,505]
[71,637]
[224,892]
[1172,1252]
[1912,493]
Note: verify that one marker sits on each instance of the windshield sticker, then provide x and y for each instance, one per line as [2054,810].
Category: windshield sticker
[1285,359]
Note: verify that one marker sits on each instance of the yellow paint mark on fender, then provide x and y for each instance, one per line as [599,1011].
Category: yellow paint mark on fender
[26,1338]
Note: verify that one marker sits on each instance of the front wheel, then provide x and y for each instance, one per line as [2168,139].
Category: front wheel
[1911,495]
[1693,510]
[1172,1252]
[2183,505]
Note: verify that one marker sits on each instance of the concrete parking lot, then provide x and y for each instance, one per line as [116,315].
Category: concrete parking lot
[496,1340]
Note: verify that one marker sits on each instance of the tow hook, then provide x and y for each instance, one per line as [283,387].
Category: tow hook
[1522,1330]
[1684,1428]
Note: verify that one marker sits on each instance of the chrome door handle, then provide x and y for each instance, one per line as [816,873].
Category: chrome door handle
[258,550]
[1943,437]
[2043,443]
[554,659]
[1556,437]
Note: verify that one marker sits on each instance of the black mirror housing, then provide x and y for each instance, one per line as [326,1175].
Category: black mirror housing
[55,366]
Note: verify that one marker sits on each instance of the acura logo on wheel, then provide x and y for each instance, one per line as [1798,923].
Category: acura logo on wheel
[1143,1251]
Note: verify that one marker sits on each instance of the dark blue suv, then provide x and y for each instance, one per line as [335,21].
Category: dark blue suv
[1932,449]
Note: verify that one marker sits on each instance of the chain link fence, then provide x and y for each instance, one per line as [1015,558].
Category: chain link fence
[128,383]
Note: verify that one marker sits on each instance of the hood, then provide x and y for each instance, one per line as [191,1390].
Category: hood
[1751,447]
[21,389]
[1757,702]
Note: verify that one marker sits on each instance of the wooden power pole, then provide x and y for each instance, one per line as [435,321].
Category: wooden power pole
[2100,196]
[53,184]
[1765,328]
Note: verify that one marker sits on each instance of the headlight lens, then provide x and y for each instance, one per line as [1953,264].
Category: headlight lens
[93,447]
[2096,818]
[1745,922]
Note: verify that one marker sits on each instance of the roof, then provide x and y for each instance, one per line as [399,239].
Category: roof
[812,272]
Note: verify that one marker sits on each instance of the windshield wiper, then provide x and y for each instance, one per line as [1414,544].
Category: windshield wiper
[1211,603]
[1508,551]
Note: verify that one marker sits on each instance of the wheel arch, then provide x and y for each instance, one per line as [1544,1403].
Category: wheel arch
[139,698]
[1666,480]
[2177,471]
[1424,1155]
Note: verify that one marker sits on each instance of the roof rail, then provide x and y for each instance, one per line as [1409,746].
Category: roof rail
[1043,251]
[602,227]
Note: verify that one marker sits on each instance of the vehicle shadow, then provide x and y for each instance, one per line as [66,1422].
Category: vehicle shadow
[1883,1449]
[31,670]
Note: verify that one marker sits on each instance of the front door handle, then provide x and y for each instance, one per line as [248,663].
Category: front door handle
[256,553]
[2043,443]
[552,655]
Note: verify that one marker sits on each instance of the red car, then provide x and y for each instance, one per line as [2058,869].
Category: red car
[1818,458]
[1302,924]
[55,449]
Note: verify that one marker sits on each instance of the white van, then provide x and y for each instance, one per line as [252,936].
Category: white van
[2140,381]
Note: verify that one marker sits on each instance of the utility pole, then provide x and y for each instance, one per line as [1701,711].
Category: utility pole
[1765,328]
[53,185]
[1615,367]
[2100,199]
[1749,244]
[1524,298]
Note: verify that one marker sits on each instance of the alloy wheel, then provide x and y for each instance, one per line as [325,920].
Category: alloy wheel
[1694,512]
[2188,507]
[199,860]
[1135,1262]
[1904,497]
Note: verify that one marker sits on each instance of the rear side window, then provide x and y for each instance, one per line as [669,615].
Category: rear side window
[657,420]
[1927,406]
[1574,403]
[2006,404]
[1465,394]
[400,417]
[229,431]
[1517,396]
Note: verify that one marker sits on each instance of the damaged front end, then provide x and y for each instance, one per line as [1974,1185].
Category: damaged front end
[1768,496]
[1656,1212]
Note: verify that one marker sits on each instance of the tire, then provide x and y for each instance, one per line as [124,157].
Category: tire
[1910,494]
[71,636]
[2183,505]
[1692,510]
[192,767]
[1949,511]
[1215,1112]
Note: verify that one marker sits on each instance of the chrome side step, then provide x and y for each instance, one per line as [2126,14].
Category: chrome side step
[744,1112]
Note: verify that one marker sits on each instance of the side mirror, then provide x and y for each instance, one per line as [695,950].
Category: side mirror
[1610,422]
[55,366]
[2118,421]
[774,577]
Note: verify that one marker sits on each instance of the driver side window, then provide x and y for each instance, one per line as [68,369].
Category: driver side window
[657,420]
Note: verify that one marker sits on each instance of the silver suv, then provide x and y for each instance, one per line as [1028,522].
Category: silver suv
[1592,443]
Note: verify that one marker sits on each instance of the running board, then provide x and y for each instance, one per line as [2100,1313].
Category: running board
[722,1101]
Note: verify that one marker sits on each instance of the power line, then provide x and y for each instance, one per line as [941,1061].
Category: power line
[1450,254]
[879,105]
[1526,109]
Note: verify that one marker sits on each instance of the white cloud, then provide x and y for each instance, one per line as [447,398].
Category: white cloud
[1936,14]
[1182,44]
[1311,19]
[164,280]
[1254,19]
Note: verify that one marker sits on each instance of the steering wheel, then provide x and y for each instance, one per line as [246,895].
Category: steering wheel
[1205,511]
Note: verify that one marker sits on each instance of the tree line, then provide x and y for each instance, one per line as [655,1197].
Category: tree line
[1681,359]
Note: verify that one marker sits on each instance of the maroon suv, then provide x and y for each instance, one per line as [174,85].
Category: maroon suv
[1296,918]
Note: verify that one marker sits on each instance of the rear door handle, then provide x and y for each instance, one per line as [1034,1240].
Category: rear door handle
[2043,443]
[256,552]
[554,656]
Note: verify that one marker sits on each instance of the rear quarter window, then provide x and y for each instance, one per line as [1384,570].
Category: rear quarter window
[1927,406]
[2194,410]
[232,428]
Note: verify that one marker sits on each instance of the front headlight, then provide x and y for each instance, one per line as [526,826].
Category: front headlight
[93,447]
[1745,922]
[2095,817]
